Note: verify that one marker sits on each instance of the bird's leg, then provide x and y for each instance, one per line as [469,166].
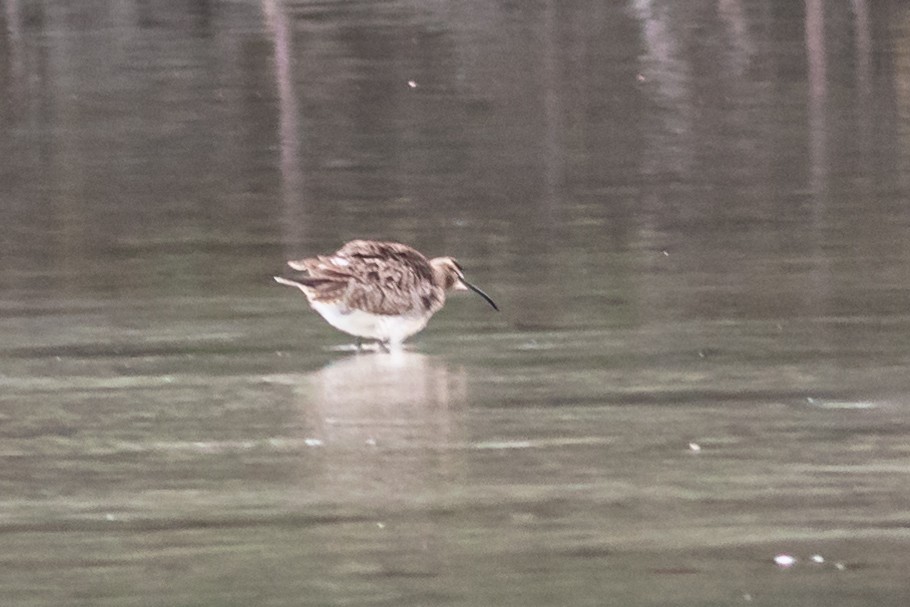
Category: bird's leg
[358,343]
[386,347]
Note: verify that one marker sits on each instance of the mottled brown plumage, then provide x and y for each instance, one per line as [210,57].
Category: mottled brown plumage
[379,290]
[376,277]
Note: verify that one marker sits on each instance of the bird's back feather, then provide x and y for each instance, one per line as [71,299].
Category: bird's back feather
[385,278]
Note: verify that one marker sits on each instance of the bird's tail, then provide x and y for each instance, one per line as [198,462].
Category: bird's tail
[322,289]
[304,284]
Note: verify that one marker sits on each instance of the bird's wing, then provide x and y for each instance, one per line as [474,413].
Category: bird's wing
[390,278]
[376,277]
[392,253]
[385,287]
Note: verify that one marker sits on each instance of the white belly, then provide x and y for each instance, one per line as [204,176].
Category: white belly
[393,329]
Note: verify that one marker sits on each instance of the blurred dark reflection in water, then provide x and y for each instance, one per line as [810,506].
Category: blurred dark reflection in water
[694,216]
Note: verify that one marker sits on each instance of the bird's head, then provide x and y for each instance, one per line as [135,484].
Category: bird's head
[450,276]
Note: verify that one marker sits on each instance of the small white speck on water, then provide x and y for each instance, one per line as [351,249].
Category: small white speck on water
[312,442]
[840,404]
[532,345]
[371,442]
[840,566]
[665,253]
[507,444]
[784,561]
[412,84]
[817,558]
[380,525]
[694,447]
[523,518]
[747,597]
[109,517]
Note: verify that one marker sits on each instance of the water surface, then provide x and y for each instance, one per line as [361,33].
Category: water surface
[694,219]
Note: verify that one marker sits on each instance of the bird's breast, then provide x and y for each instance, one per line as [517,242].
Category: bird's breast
[385,327]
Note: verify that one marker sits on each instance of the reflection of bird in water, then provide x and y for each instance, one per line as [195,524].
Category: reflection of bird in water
[403,399]
[378,427]
[379,290]
[383,434]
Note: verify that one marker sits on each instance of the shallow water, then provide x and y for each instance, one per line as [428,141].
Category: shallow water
[694,219]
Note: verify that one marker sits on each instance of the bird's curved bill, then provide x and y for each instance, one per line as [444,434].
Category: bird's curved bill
[486,297]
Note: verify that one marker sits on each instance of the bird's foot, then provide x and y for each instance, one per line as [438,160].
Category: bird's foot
[362,345]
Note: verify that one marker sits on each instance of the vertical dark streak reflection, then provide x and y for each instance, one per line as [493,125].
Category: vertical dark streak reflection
[863,42]
[819,173]
[818,92]
[554,113]
[14,33]
[289,129]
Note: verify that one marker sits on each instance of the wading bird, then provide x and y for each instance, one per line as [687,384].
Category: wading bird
[384,291]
